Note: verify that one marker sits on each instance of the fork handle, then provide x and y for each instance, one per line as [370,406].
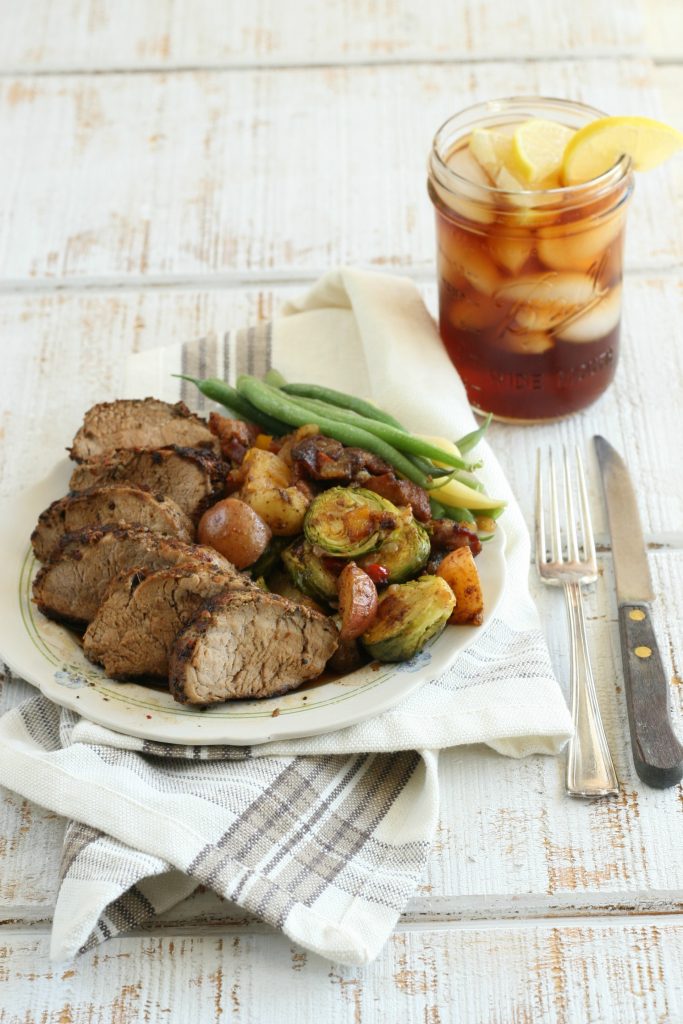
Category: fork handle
[590,771]
[657,754]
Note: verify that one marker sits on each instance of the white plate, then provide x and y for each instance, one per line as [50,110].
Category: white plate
[50,657]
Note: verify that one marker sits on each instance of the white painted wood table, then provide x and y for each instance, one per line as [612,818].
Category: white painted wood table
[173,167]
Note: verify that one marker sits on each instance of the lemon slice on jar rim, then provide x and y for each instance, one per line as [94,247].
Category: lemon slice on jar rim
[598,146]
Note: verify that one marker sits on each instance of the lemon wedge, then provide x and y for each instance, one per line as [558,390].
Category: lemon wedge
[598,146]
[538,149]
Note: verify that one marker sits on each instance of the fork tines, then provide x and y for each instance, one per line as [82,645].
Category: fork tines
[567,548]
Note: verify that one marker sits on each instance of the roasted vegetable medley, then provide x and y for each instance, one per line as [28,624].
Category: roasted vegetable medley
[336,505]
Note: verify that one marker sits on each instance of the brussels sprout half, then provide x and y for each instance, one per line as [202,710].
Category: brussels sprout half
[308,572]
[349,521]
[408,615]
[404,552]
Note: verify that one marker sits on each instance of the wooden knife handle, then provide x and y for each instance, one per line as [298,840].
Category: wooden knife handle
[657,754]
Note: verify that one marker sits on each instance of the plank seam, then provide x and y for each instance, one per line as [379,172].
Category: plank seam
[367,61]
[234,279]
[658,919]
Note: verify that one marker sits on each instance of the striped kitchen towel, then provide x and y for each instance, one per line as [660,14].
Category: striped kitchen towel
[324,837]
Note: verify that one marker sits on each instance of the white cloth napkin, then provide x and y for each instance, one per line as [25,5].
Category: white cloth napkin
[324,837]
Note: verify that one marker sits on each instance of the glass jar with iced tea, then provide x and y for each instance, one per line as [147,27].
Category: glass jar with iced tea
[529,277]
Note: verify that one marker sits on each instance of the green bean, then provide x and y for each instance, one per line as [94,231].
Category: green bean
[275,403]
[458,515]
[494,513]
[471,481]
[338,398]
[404,442]
[230,398]
[437,508]
[274,378]
[469,441]
[317,407]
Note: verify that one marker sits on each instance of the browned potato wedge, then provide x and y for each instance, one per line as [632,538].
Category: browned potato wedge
[459,571]
[357,601]
[267,488]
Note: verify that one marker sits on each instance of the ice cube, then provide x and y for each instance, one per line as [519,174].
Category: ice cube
[549,289]
[544,302]
[480,209]
[511,253]
[461,258]
[561,250]
[525,343]
[597,322]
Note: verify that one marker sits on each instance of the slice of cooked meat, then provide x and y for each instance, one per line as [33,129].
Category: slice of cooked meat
[318,457]
[192,478]
[401,492]
[73,583]
[112,503]
[249,644]
[139,423]
[133,631]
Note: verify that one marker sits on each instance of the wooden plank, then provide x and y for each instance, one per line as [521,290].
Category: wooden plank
[669,81]
[663,23]
[195,33]
[236,175]
[616,971]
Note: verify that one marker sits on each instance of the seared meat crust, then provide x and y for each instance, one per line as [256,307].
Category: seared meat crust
[71,586]
[133,631]
[401,492]
[111,503]
[193,478]
[139,423]
[249,644]
[318,457]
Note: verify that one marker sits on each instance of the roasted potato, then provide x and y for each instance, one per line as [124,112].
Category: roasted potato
[266,485]
[357,601]
[236,530]
[459,570]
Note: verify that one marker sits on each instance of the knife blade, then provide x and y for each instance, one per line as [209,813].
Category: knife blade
[657,754]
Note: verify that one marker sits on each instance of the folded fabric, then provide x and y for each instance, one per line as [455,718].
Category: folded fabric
[324,837]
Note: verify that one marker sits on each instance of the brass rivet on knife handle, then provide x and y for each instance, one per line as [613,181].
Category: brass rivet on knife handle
[657,754]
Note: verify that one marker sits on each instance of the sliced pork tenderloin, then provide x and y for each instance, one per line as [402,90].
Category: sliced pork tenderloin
[139,423]
[71,586]
[249,644]
[111,503]
[133,631]
[194,479]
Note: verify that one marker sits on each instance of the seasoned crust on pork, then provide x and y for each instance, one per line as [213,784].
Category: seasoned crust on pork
[135,627]
[71,586]
[191,477]
[249,644]
[111,503]
[139,423]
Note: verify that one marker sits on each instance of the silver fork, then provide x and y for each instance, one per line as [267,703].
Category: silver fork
[590,770]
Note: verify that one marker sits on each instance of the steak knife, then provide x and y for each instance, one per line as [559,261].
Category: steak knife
[657,754]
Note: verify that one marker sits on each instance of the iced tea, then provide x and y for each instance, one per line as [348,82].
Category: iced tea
[529,279]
